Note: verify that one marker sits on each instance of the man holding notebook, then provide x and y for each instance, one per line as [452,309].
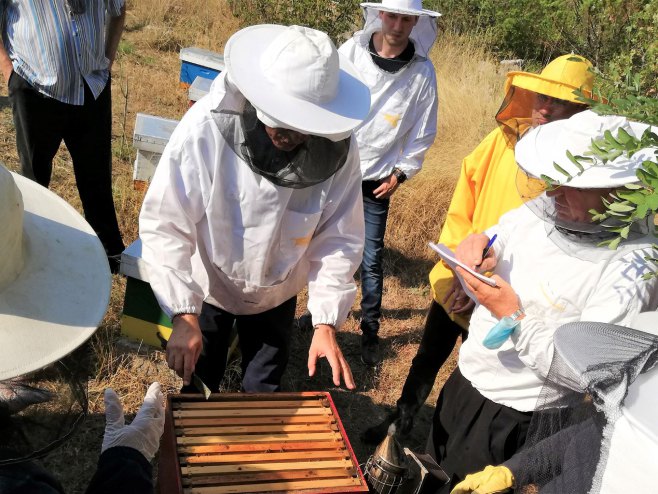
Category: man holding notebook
[486,189]
[549,269]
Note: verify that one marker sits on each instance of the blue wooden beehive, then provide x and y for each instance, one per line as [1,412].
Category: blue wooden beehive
[197,62]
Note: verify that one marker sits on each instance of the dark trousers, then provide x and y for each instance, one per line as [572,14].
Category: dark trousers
[120,469]
[264,345]
[375,213]
[439,338]
[42,123]
[470,431]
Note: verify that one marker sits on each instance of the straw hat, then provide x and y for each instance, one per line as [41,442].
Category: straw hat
[544,146]
[405,7]
[296,76]
[54,277]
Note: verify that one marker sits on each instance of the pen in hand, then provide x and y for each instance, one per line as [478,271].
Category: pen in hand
[487,248]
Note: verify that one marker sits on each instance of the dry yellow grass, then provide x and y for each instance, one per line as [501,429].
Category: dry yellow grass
[470,91]
[145,79]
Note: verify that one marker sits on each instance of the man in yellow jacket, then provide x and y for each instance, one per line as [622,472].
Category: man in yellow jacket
[486,189]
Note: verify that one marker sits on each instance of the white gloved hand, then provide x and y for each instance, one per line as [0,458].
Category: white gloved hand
[143,434]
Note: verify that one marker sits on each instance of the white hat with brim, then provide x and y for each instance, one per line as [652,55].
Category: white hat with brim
[582,345]
[270,63]
[404,7]
[617,365]
[543,147]
[62,291]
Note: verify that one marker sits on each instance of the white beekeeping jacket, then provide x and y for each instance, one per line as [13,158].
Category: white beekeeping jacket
[212,229]
[401,125]
[633,456]
[554,288]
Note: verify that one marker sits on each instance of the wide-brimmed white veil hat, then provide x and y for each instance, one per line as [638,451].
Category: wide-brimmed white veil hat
[594,429]
[295,77]
[54,277]
[544,155]
[543,147]
[405,7]
[423,34]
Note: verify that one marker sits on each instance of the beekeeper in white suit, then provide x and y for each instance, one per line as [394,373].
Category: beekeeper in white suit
[54,289]
[391,54]
[257,195]
[550,269]
[595,428]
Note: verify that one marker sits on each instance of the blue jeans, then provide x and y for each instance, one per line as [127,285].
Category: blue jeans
[375,213]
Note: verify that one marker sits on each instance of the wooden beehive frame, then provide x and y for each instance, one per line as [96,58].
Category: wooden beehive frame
[256,443]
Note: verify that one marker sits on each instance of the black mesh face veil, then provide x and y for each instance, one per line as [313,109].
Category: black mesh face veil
[312,162]
[40,411]
[569,439]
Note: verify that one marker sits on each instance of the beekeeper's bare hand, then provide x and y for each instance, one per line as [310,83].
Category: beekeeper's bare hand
[388,185]
[143,434]
[324,344]
[184,345]
[501,300]
[461,302]
[469,251]
[6,66]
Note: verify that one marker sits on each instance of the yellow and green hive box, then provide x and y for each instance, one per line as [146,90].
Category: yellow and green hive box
[143,320]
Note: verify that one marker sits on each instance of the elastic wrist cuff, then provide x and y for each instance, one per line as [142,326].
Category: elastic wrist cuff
[324,324]
[191,312]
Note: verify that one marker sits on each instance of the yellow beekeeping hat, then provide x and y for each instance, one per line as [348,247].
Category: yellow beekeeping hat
[559,79]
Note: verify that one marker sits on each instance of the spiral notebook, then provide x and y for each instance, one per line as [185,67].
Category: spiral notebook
[449,258]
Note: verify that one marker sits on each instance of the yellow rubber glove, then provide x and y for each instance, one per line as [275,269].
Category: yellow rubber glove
[489,481]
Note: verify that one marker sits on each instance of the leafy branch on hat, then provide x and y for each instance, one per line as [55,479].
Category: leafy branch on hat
[630,102]
[630,203]
[634,201]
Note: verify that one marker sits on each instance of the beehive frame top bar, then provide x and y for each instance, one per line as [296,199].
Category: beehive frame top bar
[256,443]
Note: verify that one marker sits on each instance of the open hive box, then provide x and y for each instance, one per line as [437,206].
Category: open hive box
[256,443]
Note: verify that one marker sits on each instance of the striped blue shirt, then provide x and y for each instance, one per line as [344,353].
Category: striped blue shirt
[56,50]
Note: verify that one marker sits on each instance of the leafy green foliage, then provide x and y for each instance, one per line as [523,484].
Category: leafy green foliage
[618,36]
[627,100]
[337,18]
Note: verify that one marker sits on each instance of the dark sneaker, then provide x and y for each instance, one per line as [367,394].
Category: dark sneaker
[376,434]
[371,355]
[305,322]
[401,417]
[115,263]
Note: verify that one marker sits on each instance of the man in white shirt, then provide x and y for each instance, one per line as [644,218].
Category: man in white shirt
[549,270]
[256,196]
[391,54]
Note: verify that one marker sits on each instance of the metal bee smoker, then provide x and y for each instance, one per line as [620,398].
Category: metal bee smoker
[386,468]
[391,469]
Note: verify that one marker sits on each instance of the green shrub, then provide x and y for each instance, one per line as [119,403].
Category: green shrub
[337,18]
[619,36]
